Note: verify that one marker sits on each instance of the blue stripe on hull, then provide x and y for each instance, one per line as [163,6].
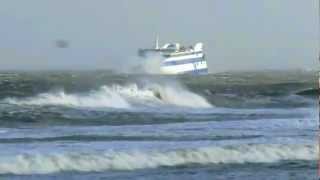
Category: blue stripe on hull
[179,62]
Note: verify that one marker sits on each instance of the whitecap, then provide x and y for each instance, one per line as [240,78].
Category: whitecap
[110,160]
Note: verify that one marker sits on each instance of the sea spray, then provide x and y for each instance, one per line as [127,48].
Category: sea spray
[104,97]
[152,64]
[179,95]
[119,96]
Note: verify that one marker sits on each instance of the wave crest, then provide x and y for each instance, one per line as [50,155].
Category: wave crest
[104,97]
[117,96]
[103,161]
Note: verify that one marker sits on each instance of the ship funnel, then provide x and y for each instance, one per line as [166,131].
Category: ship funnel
[157,42]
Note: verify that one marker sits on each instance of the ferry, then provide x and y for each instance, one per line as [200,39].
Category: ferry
[178,59]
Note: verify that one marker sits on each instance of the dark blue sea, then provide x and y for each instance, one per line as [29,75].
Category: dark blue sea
[104,125]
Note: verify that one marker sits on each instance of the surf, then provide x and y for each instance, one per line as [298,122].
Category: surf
[39,163]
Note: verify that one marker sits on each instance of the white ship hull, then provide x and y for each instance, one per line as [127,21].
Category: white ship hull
[187,64]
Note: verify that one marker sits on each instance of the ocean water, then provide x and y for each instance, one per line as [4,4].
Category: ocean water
[103,125]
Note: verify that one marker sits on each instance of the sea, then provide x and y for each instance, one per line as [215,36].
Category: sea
[105,125]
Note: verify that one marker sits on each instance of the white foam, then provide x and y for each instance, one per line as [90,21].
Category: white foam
[104,97]
[103,161]
[117,96]
[173,94]
[176,94]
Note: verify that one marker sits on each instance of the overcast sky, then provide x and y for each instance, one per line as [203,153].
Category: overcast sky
[238,34]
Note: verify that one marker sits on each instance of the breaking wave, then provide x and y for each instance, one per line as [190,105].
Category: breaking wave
[104,97]
[104,161]
[117,96]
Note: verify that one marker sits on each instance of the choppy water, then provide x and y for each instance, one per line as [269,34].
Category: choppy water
[100,125]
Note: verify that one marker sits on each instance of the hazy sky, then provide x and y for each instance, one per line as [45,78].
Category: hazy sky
[238,34]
